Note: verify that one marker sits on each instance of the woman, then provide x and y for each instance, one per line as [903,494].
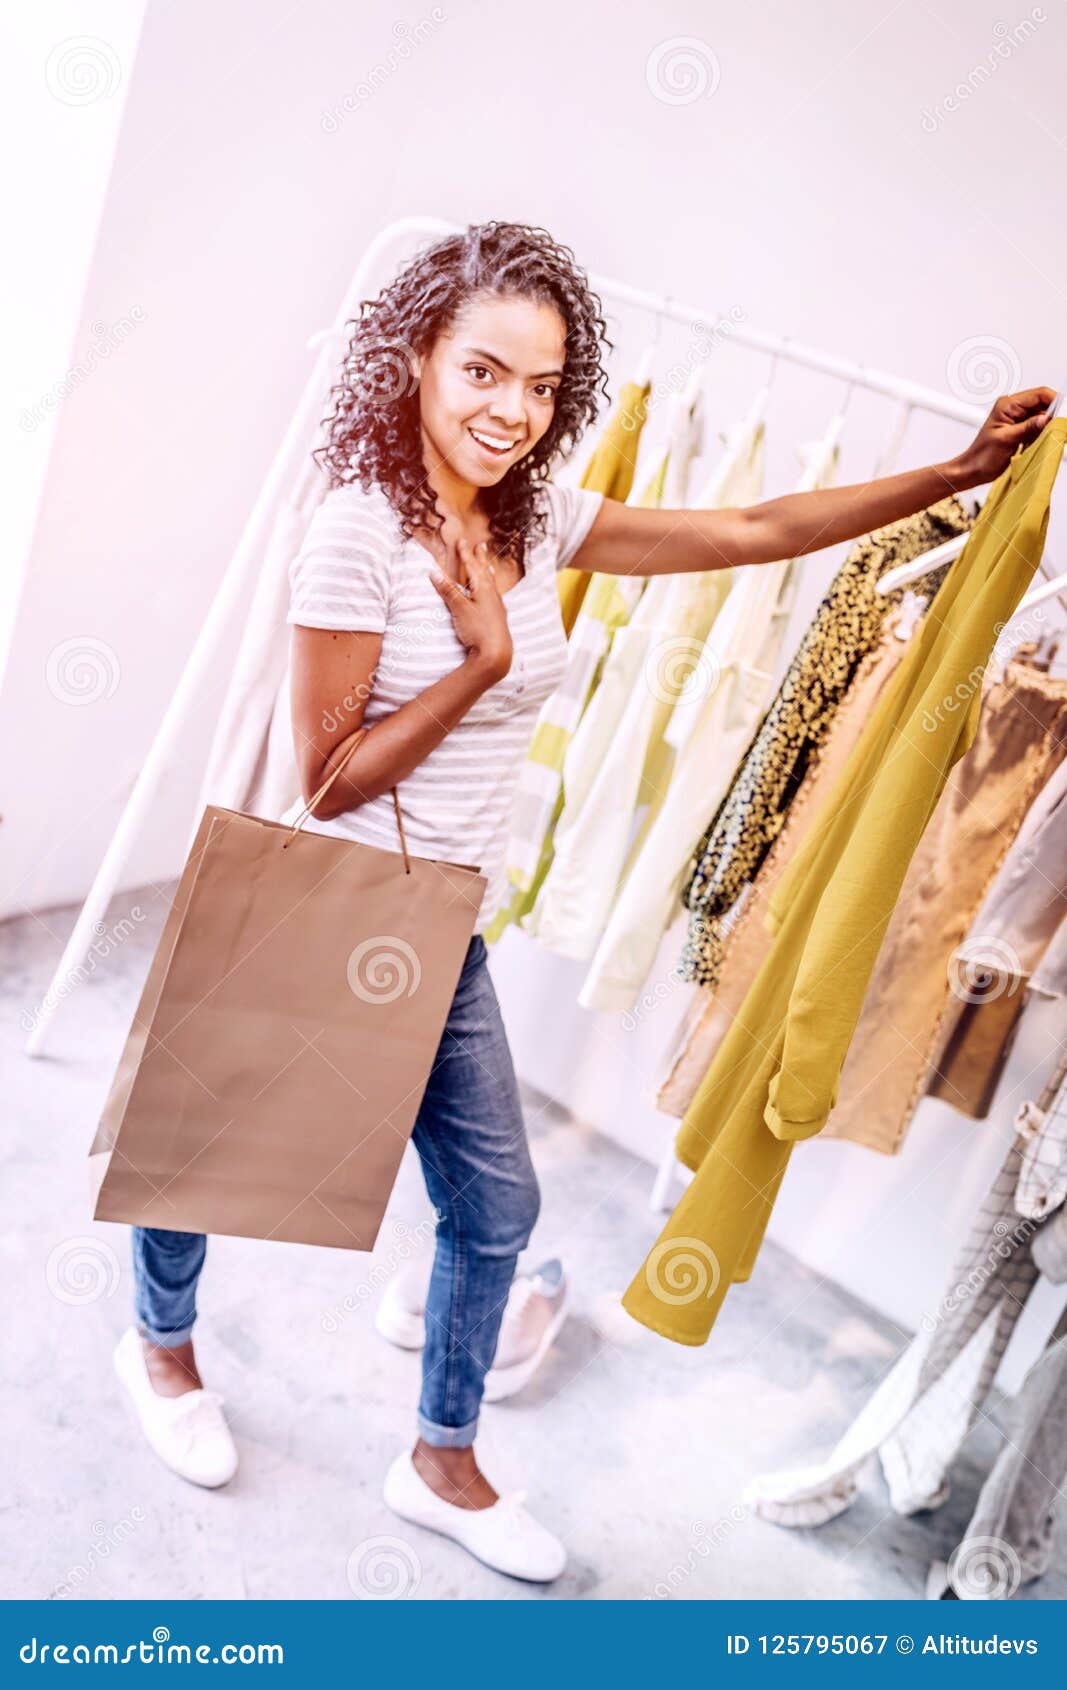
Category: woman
[424,605]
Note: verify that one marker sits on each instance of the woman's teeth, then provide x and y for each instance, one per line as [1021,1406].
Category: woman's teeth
[498,447]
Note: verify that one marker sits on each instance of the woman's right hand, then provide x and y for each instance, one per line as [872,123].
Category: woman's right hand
[477,611]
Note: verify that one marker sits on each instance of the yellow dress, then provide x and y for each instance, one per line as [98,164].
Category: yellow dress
[610,470]
[776,1075]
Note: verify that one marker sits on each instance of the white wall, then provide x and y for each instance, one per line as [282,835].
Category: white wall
[818,184]
[65,74]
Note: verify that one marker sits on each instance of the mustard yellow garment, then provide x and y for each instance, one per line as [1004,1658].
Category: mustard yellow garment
[775,1077]
[610,470]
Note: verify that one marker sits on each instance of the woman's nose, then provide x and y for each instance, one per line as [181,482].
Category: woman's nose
[507,406]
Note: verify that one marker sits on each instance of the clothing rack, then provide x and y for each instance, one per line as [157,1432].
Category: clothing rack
[290,475]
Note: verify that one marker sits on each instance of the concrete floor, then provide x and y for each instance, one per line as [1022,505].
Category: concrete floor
[633,1449]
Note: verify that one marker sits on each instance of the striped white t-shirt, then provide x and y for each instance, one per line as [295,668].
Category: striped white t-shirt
[357,570]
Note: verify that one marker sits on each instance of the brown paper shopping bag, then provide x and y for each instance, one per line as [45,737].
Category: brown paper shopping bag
[285,1034]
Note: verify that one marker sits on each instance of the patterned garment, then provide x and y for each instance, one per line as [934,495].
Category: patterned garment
[846,626]
[1042,1128]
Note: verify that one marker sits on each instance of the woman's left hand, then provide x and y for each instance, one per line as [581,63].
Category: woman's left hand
[1015,420]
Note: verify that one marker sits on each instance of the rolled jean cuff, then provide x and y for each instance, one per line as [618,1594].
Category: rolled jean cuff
[165,1340]
[446,1437]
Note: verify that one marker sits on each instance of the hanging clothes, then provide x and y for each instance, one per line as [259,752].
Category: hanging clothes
[899,1040]
[1050,1248]
[761,752]
[846,624]
[624,726]
[776,1076]
[1041,1188]
[746,940]
[610,471]
[907,1011]
[1019,1502]
[920,1414]
[607,606]
[1012,934]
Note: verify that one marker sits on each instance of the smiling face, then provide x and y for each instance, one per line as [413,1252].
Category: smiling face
[487,390]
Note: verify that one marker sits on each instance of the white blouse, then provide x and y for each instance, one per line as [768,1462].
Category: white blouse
[357,570]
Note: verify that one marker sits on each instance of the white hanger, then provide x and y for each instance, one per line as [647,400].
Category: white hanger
[647,362]
[757,411]
[905,573]
[888,455]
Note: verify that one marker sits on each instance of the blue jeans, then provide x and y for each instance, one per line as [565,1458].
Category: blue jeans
[471,1139]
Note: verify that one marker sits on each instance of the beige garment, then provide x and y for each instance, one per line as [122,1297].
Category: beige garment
[748,941]
[1014,934]
[906,1017]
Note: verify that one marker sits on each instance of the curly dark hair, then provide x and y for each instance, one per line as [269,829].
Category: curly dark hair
[373,433]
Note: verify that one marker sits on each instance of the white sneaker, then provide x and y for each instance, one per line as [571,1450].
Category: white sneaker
[537,1308]
[189,1432]
[535,1312]
[505,1537]
[400,1316]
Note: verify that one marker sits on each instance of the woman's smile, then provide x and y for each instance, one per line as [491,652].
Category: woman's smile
[493,446]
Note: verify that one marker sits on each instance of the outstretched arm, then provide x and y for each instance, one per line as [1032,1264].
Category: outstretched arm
[633,540]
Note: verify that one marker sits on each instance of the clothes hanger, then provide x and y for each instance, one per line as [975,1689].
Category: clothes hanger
[911,607]
[1006,647]
[837,422]
[891,450]
[757,411]
[905,573]
[643,373]
[647,361]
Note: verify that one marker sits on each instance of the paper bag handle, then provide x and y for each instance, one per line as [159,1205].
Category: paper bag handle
[324,788]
